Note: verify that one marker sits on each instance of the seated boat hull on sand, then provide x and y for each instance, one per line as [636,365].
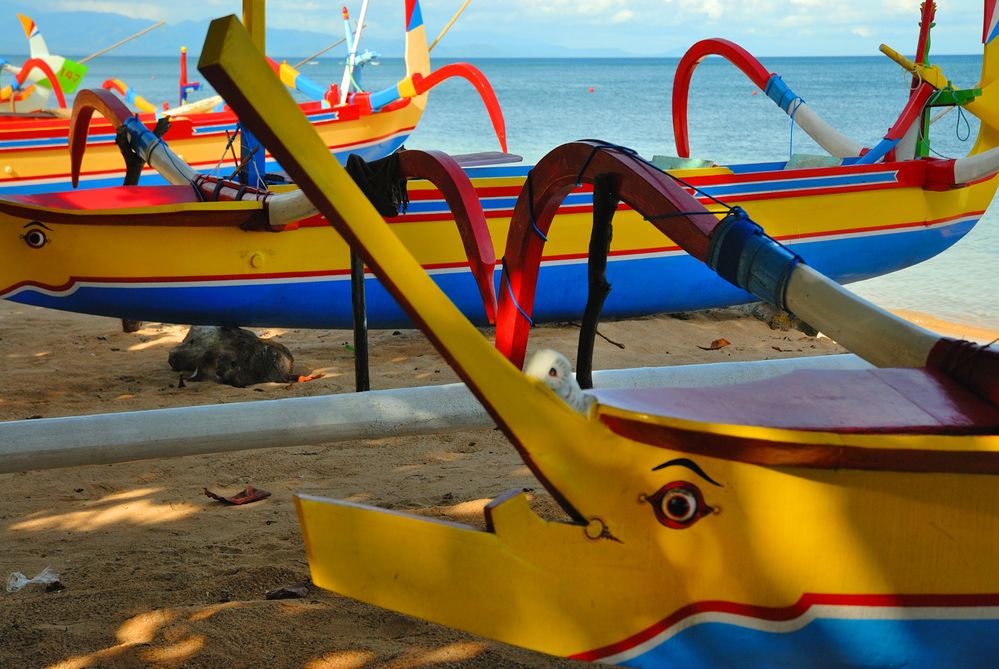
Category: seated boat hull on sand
[221,274]
[108,253]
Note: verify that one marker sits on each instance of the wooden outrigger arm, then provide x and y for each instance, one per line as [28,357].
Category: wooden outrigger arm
[929,86]
[733,246]
[151,148]
[46,69]
[443,172]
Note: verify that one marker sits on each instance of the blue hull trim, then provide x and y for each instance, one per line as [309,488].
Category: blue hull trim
[831,644]
[681,284]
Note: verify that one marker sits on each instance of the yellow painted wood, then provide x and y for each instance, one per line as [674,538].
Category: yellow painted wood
[773,535]
[777,535]
[526,410]
[255,22]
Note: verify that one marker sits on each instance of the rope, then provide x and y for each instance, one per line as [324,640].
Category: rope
[167,152]
[530,207]
[607,146]
[790,142]
[260,181]
[677,214]
[601,146]
[961,116]
[509,288]
[962,119]
[970,353]
[353,81]
[228,147]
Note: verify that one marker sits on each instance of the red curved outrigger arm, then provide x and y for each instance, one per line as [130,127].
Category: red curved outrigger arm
[86,103]
[676,213]
[473,75]
[39,64]
[646,189]
[444,172]
[714,46]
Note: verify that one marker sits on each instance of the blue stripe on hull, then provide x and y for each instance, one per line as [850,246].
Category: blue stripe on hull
[831,644]
[681,284]
[370,152]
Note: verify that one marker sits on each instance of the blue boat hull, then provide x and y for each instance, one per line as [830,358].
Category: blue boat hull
[642,285]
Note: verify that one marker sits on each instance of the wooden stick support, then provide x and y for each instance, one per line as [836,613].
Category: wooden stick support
[362,376]
[48,443]
[605,203]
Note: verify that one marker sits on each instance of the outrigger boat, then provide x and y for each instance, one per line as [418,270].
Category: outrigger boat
[162,254]
[370,124]
[837,519]
[39,78]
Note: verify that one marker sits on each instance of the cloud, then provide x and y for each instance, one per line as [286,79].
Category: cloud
[638,27]
[577,7]
[133,10]
[904,6]
[713,9]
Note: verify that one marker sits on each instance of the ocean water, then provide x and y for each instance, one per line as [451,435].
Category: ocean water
[547,102]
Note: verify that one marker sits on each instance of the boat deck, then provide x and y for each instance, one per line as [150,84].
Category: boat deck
[881,401]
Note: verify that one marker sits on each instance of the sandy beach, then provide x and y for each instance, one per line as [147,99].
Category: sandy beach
[156,574]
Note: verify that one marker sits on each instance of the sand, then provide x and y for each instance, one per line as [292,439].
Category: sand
[155,574]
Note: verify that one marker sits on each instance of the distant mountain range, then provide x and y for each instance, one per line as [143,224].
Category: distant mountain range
[82,33]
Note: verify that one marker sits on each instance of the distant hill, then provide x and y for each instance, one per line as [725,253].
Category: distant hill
[83,33]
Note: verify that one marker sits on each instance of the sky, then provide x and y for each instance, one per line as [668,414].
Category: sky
[627,27]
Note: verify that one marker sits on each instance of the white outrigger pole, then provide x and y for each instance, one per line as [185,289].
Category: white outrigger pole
[353,42]
[49,443]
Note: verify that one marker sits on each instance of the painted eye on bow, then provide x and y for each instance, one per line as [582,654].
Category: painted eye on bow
[678,505]
[35,238]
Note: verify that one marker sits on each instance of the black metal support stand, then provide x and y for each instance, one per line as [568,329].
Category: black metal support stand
[133,170]
[362,377]
[605,203]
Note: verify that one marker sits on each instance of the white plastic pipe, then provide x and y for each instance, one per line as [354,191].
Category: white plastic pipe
[976,167]
[830,139]
[49,443]
[348,70]
[881,338]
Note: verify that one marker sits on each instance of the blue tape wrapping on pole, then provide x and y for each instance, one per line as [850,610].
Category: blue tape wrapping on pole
[781,93]
[140,138]
[385,96]
[309,88]
[743,254]
[878,152]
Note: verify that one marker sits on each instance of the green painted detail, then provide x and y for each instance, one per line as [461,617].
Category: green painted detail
[950,97]
[923,141]
[69,75]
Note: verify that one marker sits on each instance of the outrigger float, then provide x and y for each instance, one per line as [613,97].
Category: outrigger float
[369,124]
[163,254]
[842,518]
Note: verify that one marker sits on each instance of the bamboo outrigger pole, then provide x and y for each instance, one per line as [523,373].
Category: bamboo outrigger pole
[319,53]
[449,24]
[49,443]
[121,42]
